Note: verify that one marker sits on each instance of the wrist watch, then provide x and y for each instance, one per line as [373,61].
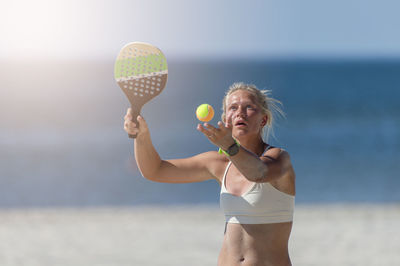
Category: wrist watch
[232,150]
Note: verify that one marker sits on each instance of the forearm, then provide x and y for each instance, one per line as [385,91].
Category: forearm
[250,165]
[147,158]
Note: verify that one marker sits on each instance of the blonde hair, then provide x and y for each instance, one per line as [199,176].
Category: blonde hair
[269,106]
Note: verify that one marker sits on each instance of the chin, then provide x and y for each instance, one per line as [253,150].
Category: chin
[240,132]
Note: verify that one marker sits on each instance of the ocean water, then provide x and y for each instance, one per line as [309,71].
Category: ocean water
[62,141]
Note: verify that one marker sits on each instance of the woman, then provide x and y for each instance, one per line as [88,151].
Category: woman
[257,180]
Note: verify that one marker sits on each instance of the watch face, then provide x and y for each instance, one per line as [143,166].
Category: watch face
[233,150]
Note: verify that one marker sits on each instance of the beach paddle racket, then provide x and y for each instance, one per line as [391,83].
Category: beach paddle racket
[141,72]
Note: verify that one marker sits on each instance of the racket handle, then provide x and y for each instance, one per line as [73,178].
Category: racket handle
[132,136]
[135,111]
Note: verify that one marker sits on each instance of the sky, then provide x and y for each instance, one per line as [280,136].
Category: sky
[207,28]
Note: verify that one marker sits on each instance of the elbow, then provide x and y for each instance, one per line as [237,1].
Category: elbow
[150,175]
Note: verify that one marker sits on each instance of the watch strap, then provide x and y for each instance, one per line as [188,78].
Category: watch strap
[220,151]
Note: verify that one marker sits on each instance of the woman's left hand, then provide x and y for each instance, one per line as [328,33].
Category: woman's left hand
[221,136]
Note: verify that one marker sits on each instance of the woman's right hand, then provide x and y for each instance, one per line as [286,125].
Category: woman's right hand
[133,128]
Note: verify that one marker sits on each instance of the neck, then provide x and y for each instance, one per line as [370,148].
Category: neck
[255,145]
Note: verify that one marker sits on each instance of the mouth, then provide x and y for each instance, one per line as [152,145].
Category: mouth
[240,123]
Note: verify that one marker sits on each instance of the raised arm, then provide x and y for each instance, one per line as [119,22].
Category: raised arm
[193,169]
[254,168]
[265,168]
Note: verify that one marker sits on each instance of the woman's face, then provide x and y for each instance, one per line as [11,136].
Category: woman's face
[243,114]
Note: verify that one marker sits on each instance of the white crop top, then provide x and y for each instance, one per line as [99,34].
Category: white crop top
[261,204]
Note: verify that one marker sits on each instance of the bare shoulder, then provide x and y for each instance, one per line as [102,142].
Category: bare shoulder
[284,156]
[277,154]
[280,160]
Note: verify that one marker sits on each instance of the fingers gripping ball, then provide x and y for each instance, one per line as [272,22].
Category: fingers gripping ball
[205,112]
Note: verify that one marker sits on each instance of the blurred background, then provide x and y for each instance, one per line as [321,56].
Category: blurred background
[334,65]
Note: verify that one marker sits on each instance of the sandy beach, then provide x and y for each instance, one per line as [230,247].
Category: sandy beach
[190,235]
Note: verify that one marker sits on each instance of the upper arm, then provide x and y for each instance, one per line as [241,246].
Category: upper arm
[278,163]
[193,169]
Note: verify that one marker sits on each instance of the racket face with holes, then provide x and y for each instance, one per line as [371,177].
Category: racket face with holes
[141,71]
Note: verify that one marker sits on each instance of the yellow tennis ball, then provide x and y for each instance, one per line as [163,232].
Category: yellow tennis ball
[205,112]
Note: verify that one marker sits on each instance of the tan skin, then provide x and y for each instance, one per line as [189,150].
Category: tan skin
[243,244]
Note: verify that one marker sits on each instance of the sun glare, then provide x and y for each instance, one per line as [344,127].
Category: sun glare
[37,28]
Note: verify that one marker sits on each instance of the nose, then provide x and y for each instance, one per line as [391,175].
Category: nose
[241,111]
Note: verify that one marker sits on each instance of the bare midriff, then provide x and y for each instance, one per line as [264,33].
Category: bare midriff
[256,245]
